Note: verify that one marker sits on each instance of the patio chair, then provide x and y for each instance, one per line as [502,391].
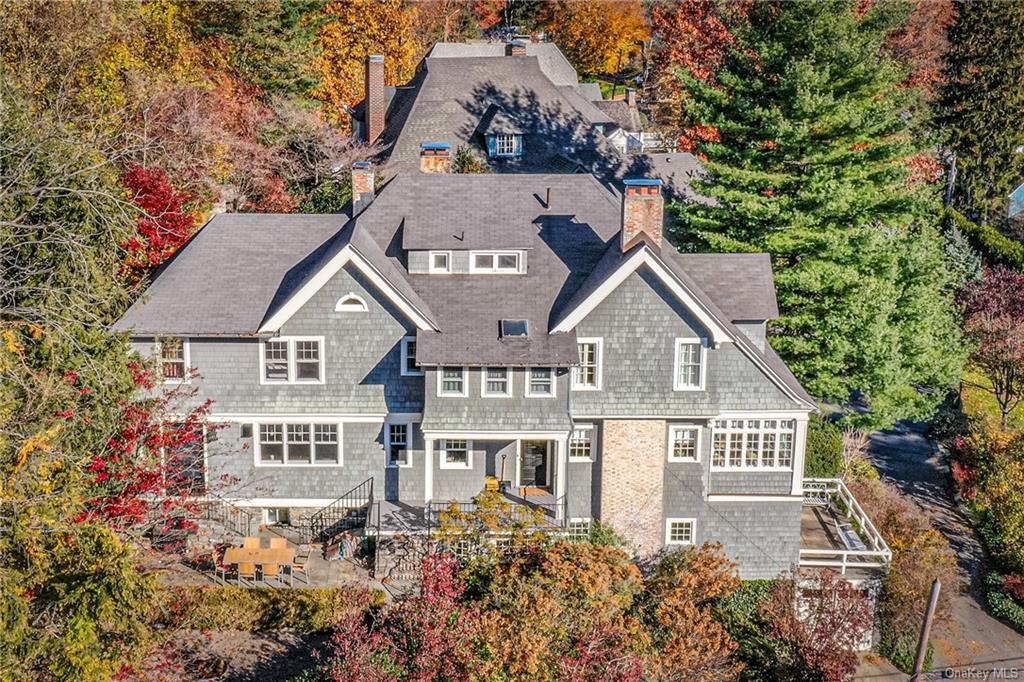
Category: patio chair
[246,570]
[251,543]
[301,563]
[278,543]
[273,571]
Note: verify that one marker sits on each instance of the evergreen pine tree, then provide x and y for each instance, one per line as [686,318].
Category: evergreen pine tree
[981,108]
[809,163]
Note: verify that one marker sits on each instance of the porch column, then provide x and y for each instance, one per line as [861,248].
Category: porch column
[799,447]
[428,470]
[561,469]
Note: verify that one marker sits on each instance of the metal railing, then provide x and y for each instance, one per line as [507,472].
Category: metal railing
[876,554]
[230,517]
[348,512]
[518,511]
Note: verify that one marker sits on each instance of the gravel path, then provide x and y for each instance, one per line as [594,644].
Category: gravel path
[975,641]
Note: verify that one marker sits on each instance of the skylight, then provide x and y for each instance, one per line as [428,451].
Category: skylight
[515,329]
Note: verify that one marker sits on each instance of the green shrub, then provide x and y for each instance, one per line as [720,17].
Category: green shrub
[237,608]
[741,614]
[901,650]
[824,458]
[994,245]
[1003,605]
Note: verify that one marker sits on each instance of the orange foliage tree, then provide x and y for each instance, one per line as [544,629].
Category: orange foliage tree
[353,30]
[921,42]
[597,37]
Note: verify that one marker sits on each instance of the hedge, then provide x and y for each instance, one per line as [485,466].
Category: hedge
[824,453]
[1003,606]
[236,608]
[994,245]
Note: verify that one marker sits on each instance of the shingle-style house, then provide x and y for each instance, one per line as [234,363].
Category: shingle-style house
[534,329]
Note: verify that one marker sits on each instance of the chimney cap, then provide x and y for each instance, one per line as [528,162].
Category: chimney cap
[435,145]
[375,58]
[362,165]
[642,182]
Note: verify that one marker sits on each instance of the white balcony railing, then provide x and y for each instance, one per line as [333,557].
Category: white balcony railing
[863,546]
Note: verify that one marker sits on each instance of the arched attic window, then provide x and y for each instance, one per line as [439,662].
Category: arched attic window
[351,303]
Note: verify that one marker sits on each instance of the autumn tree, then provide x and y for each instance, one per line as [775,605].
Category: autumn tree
[921,43]
[994,324]
[981,105]
[811,162]
[165,223]
[598,38]
[353,30]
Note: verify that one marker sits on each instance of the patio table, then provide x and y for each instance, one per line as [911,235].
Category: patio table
[260,555]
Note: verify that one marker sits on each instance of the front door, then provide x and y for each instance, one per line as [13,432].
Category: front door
[533,468]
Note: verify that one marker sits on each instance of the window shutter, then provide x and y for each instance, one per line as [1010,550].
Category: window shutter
[492,145]
[519,145]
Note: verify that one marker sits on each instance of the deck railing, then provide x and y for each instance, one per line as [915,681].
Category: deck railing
[347,513]
[228,516]
[552,514]
[875,553]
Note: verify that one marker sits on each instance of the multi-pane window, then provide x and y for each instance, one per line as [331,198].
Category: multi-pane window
[295,360]
[172,358]
[679,532]
[578,530]
[452,381]
[753,443]
[541,382]
[455,454]
[504,145]
[496,381]
[688,365]
[409,365]
[398,445]
[495,261]
[682,443]
[299,444]
[587,374]
[581,442]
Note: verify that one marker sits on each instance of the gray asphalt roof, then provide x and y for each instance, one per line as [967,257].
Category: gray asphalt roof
[623,115]
[590,91]
[553,63]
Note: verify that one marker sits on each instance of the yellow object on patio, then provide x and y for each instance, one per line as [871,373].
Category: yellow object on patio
[491,484]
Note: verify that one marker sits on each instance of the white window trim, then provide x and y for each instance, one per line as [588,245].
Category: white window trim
[408,442]
[749,469]
[257,438]
[292,361]
[266,515]
[435,270]
[554,383]
[443,463]
[473,269]
[589,521]
[351,303]
[405,357]
[568,447]
[440,384]
[679,342]
[668,531]
[600,365]
[186,356]
[483,383]
[512,137]
[672,428]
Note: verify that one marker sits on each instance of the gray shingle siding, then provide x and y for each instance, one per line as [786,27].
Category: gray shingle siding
[639,322]
[419,261]
[476,413]
[762,537]
[462,485]
[749,483]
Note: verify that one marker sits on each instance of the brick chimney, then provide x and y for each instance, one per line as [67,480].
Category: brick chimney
[643,210]
[515,48]
[435,157]
[374,97]
[362,186]
[631,98]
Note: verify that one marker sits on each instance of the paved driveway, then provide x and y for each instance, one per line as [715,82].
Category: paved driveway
[975,641]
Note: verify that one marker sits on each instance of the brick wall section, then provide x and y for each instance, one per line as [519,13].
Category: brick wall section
[643,213]
[374,97]
[633,479]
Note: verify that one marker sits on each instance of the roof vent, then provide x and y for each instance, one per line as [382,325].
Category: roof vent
[515,329]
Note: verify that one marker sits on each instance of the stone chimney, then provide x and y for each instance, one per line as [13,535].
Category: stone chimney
[643,210]
[362,186]
[515,48]
[631,98]
[435,157]
[375,105]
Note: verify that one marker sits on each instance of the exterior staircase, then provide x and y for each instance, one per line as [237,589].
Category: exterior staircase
[347,514]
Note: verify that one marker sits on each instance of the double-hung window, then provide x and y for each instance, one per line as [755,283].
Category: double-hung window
[753,444]
[456,454]
[173,358]
[683,443]
[540,382]
[299,444]
[409,366]
[581,443]
[496,383]
[398,445]
[451,381]
[587,374]
[680,531]
[292,360]
[689,365]
[502,262]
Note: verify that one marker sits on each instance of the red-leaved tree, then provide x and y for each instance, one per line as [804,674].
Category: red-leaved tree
[165,223]
[994,324]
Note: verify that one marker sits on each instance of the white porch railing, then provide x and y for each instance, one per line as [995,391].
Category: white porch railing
[865,546]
